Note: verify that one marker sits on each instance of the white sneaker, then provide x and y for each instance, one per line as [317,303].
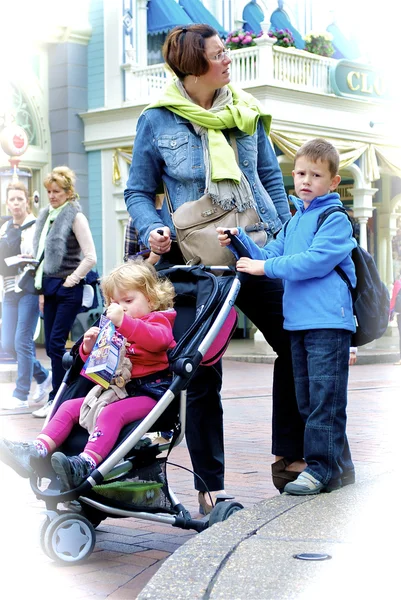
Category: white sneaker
[42,389]
[13,403]
[43,411]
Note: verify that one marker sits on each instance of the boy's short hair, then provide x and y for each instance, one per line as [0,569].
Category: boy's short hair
[319,148]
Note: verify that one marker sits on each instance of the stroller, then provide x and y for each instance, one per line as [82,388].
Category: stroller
[132,480]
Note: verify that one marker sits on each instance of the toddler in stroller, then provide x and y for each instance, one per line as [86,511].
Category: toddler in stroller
[131,481]
[140,306]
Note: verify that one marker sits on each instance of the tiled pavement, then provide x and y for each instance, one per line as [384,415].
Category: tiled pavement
[128,552]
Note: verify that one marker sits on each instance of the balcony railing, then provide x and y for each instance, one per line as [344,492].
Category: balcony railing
[289,68]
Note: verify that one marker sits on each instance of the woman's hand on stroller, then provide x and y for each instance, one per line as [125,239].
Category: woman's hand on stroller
[160,240]
[222,236]
[90,338]
[248,265]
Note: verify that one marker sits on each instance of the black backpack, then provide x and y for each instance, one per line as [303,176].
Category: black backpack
[10,245]
[370,297]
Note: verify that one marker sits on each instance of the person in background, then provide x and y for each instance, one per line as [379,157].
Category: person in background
[181,140]
[318,312]
[65,242]
[20,309]
[395,308]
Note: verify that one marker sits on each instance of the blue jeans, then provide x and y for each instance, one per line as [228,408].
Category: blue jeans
[320,363]
[62,304]
[20,315]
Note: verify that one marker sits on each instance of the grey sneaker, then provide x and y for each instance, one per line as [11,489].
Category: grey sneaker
[72,470]
[17,455]
[303,485]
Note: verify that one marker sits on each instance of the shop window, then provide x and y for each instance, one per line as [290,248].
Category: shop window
[155,44]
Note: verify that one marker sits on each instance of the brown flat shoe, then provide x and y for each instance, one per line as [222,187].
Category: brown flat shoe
[280,475]
[204,501]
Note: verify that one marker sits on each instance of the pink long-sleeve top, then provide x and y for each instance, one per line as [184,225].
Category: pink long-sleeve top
[149,338]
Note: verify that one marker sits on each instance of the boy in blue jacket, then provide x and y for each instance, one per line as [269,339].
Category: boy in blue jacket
[317,307]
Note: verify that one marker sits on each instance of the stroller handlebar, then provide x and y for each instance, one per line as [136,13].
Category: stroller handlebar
[238,246]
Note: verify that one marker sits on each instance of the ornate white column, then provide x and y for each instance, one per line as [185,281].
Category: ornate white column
[142,33]
[265,63]
[363,210]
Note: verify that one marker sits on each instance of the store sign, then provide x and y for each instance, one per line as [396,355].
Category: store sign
[355,80]
[14,140]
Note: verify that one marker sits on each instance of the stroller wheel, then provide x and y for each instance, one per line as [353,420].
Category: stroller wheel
[223,510]
[69,539]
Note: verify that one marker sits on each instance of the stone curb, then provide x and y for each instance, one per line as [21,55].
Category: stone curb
[189,573]
[250,554]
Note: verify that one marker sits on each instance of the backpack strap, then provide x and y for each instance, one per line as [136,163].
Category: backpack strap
[322,217]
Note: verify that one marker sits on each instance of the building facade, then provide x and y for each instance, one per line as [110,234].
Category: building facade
[89,83]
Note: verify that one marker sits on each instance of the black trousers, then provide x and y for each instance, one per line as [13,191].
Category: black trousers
[260,299]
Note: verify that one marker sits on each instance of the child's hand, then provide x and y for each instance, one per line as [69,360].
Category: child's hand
[253,267]
[352,358]
[153,258]
[223,238]
[90,338]
[115,313]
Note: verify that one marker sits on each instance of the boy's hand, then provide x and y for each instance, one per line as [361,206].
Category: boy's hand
[90,338]
[352,358]
[248,265]
[115,313]
[223,238]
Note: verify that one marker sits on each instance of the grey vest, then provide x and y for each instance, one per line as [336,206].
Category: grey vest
[62,251]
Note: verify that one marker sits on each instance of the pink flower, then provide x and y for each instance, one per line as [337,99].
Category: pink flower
[247,39]
[241,36]
[235,39]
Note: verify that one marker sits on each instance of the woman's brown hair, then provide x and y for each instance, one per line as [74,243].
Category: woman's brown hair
[184,49]
[22,188]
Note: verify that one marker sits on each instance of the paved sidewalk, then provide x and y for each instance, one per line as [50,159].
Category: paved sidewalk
[129,553]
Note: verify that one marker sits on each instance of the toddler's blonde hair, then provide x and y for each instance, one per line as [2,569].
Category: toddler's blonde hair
[142,276]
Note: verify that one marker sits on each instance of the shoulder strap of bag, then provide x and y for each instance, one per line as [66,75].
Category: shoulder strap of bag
[169,205]
[234,146]
[27,225]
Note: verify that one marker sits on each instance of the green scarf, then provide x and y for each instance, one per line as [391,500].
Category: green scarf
[53,214]
[243,113]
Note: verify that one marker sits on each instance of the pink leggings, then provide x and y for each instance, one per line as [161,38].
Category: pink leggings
[109,423]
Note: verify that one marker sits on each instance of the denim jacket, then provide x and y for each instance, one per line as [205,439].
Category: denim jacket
[168,149]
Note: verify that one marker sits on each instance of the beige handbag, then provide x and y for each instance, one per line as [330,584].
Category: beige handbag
[195,225]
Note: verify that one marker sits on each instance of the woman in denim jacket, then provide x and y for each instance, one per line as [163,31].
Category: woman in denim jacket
[183,140]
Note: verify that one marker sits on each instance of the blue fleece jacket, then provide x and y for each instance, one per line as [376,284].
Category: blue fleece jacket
[315,296]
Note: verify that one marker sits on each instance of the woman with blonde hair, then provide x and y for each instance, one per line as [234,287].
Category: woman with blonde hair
[63,243]
[20,308]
